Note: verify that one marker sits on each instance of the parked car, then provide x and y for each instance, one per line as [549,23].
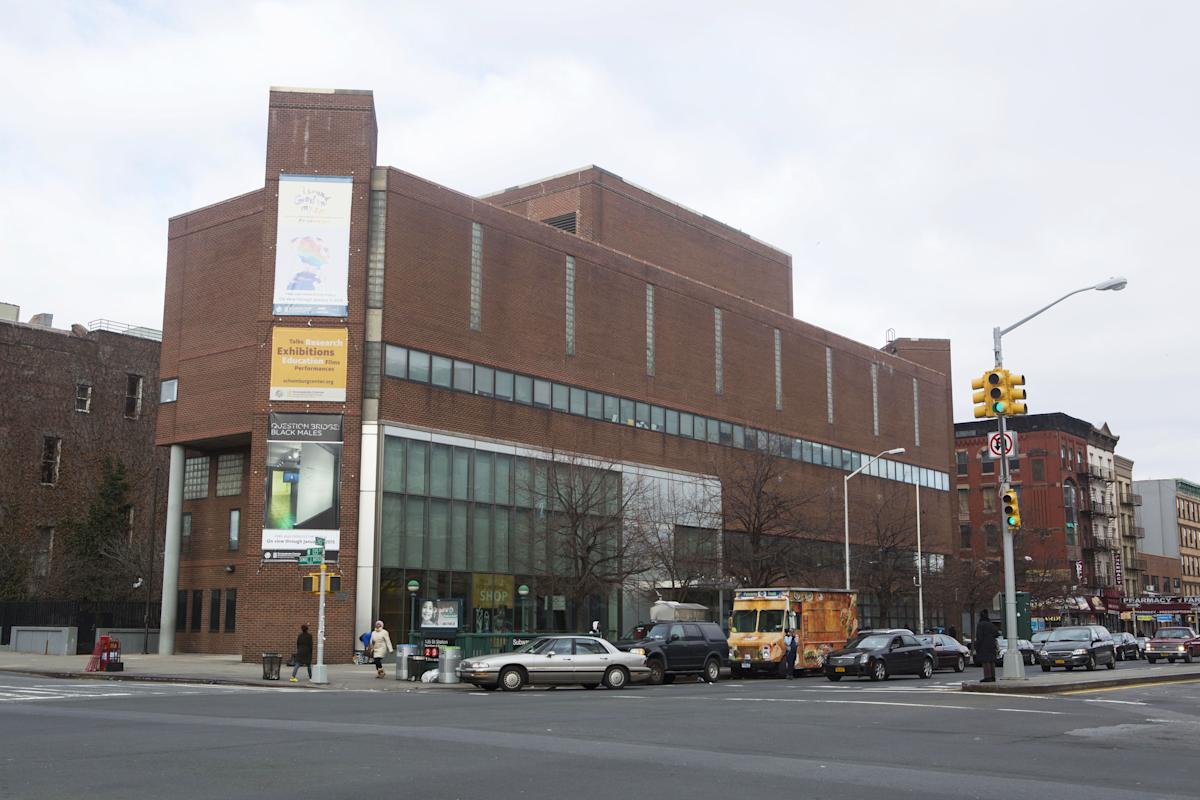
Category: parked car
[681,648]
[1127,647]
[584,660]
[880,655]
[1028,651]
[1039,637]
[950,654]
[1078,646]
[1173,643]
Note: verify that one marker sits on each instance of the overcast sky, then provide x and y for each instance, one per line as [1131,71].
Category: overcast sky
[934,168]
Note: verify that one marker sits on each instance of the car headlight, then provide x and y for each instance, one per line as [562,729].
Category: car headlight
[465,665]
[1079,651]
[864,658]
[638,651]
[1180,648]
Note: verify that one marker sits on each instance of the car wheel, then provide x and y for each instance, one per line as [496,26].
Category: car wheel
[834,678]
[1070,668]
[658,671]
[927,668]
[879,670]
[512,679]
[1112,664]
[1187,657]
[1120,655]
[1152,659]
[1170,659]
[960,665]
[1091,663]
[712,670]
[1045,667]
[668,678]
[615,678]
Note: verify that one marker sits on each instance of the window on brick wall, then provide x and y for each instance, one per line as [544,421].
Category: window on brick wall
[964,536]
[964,501]
[1039,469]
[235,527]
[83,398]
[992,534]
[195,478]
[133,396]
[960,459]
[214,611]
[197,608]
[230,610]
[229,474]
[168,390]
[51,454]
[181,610]
[185,534]
[43,548]
[989,500]
[987,465]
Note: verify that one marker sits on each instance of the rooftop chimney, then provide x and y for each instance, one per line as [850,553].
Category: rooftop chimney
[42,320]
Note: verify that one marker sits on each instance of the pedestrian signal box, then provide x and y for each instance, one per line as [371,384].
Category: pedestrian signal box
[312,583]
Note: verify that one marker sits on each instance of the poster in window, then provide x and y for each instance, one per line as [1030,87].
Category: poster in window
[440,614]
[312,246]
[308,364]
[303,483]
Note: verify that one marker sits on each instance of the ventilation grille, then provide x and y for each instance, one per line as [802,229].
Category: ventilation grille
[564,222]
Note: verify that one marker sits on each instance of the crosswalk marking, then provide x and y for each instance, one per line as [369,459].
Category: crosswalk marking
[10,693]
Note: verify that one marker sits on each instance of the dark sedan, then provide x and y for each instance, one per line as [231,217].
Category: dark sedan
[1078,646]
[880,655]
[950,653]
[1127,647]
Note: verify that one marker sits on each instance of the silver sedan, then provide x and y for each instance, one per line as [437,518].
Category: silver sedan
[584,660]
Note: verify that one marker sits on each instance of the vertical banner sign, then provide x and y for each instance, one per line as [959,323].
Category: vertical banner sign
[308,364]
[312,246]
[1118,571]
[304,457]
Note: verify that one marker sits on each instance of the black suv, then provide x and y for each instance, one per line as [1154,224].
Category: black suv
[681,648]
[1078,646]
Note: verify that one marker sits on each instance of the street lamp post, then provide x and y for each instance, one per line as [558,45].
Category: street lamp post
[413,587]
[846,502]
[1014,665]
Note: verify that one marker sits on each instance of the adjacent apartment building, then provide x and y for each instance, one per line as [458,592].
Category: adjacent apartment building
[358,355]
[1170,516]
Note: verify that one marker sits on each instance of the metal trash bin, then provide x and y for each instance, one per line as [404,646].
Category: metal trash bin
[271,663]
[403,652]
[448,660]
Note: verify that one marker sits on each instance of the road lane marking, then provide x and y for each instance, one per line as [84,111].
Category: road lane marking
[1130,686]
[1118,702]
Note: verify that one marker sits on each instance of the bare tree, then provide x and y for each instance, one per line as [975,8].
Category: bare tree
[765,517]
[885,558]
[592,529]
[683,541]
[967,584]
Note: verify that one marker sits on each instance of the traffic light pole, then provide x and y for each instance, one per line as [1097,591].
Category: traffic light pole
[1014,664]
[320,675]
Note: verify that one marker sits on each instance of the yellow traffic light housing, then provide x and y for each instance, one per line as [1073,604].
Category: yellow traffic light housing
[989,394]
[1012,508]
[312,583]
[1013,383]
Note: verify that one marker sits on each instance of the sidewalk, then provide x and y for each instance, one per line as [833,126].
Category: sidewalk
[1127,673]
[226,670]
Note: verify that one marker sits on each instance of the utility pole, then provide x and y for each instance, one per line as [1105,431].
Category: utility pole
[151,562]
[920,568]
[320,674]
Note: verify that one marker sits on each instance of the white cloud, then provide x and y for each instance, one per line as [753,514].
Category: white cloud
[934,168]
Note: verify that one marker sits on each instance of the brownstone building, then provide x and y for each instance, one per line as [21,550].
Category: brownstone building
[368,358]
[1065,549]
[69,401]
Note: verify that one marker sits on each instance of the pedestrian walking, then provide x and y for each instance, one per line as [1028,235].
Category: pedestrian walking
[986,635]
[791,645]
[303,653]
[952,632]
[595,631]
[379,646]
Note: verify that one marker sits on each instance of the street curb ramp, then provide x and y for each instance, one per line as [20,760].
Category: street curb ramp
[1020,687]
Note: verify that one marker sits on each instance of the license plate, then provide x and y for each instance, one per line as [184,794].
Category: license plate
[839,669]
[1060,661]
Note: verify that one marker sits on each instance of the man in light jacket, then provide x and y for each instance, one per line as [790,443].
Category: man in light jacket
[379,646]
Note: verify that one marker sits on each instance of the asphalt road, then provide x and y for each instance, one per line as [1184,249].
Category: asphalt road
[734,739]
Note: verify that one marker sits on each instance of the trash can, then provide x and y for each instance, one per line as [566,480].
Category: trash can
[271,664]
[403,653]
[448,660]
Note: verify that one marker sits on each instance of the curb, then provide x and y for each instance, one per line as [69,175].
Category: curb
[1017,687]
[125,676]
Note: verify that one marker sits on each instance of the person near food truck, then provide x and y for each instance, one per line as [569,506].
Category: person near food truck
[986,635]
[380,646]
[791,646]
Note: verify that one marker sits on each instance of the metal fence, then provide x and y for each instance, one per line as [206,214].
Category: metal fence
[86,615]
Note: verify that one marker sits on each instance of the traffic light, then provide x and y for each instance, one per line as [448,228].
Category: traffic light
[312,583]
[1012,509]
[989,393]
[1015,394]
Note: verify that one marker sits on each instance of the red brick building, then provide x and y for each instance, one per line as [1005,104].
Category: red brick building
[442,346]
[1060,551]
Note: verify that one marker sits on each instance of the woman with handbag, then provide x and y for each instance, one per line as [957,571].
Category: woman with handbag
[379,646]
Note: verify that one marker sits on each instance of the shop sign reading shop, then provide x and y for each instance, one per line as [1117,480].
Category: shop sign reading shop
[303,481]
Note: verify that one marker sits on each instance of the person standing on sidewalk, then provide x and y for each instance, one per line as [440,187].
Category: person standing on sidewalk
[791,645]
[379,646]
[303,653]
[986,635]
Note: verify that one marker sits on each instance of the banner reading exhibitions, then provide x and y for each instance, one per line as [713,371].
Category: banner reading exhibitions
[308,364]
[312,246]
[304,456]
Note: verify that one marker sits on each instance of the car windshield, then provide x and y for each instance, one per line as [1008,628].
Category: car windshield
[923,639]
[659,631]
[1041,636]
[745,620]
[769,621]
[536,646]
[874,642]
[1070,635]
[1174,633]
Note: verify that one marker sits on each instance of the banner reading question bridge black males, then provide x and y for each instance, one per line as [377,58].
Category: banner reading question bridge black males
[303,483]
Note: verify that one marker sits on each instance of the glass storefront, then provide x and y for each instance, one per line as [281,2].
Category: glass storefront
[478,527]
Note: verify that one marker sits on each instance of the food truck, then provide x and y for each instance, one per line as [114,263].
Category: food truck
[823,618]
